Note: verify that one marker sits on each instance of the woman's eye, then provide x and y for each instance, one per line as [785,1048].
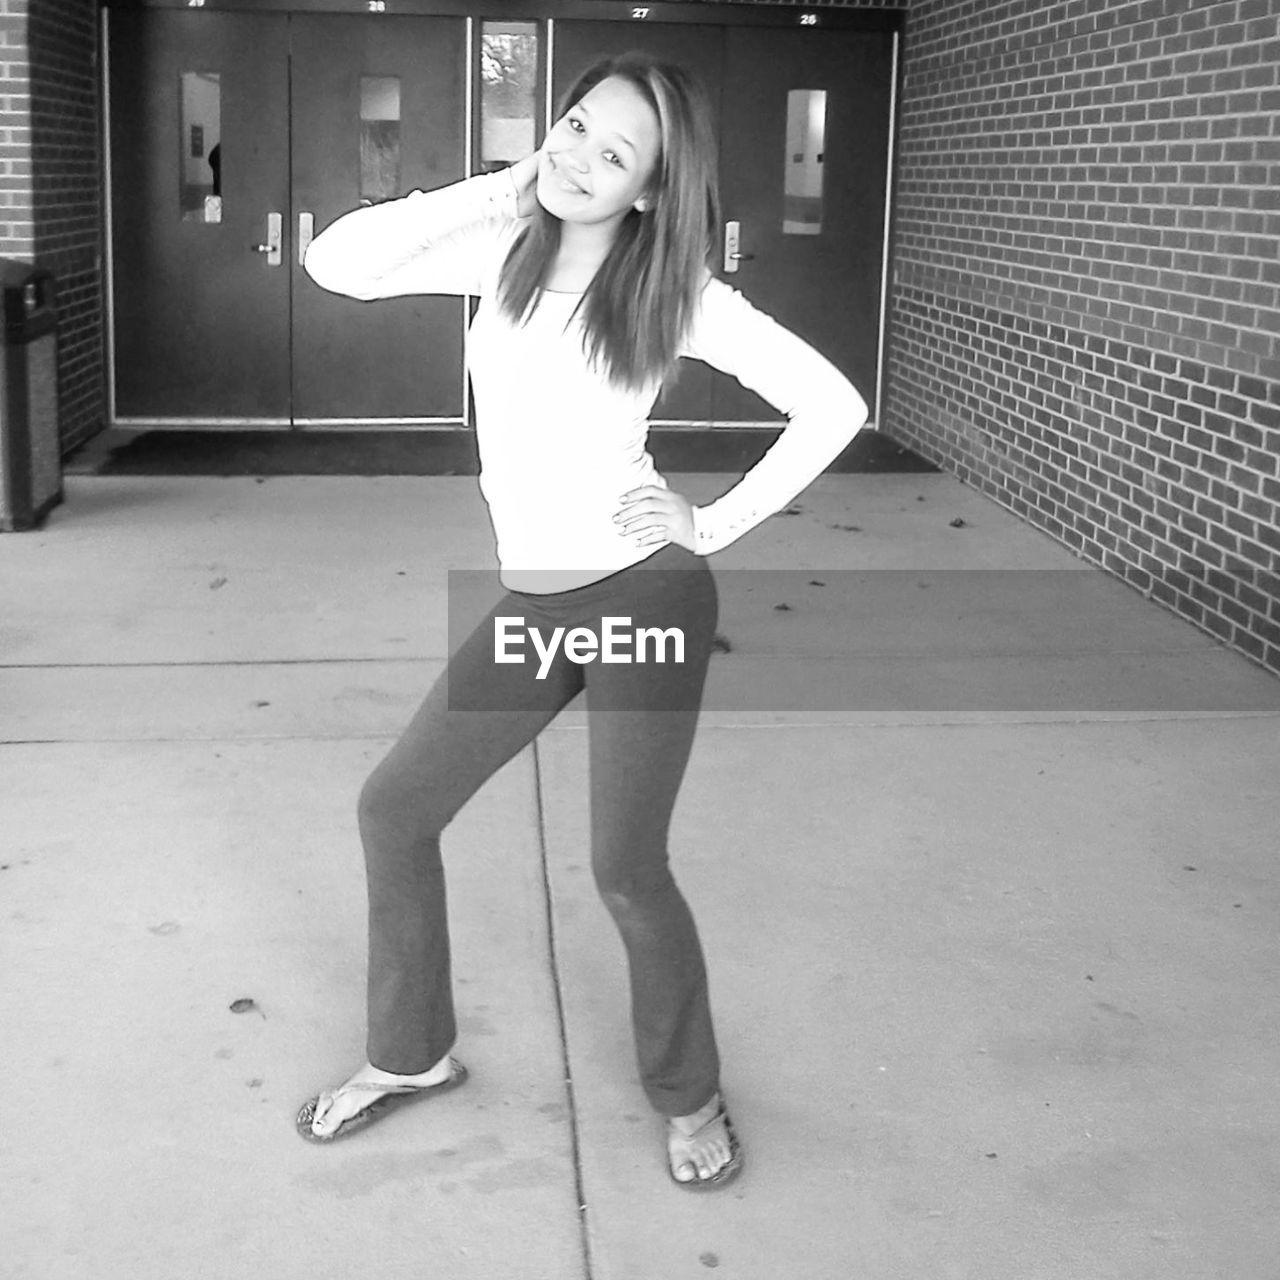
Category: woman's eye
[613,158]
[575,124]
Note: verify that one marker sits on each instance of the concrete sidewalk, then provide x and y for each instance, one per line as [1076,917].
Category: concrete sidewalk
[984,864]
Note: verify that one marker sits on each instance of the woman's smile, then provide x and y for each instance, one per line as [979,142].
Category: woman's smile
[566,181]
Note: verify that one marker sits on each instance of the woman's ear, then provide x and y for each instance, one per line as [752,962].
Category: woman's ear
[642,205]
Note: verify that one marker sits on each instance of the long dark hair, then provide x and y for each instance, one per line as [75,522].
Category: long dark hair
[638,306]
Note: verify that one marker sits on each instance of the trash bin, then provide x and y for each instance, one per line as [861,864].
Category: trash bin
[30,452]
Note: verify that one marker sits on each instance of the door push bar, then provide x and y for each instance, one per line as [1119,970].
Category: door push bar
[732,240]
[275,230]
[306,232]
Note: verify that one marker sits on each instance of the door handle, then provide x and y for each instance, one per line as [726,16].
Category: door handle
[306,231]
[275,233]
[732,242]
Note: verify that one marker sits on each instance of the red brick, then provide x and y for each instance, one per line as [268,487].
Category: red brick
[1152,221]
[49,126]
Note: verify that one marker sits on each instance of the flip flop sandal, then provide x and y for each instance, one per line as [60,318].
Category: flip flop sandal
[725,1174]
[393,1097]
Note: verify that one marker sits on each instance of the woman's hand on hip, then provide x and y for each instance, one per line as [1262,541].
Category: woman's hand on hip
[651,515]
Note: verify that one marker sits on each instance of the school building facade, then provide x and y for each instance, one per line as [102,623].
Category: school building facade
[1081,299]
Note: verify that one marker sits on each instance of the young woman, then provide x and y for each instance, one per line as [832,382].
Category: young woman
[591,259]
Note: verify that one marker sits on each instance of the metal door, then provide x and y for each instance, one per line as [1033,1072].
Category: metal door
[377,111]
[824,279]
[218,171]
[201,316]
[813,261]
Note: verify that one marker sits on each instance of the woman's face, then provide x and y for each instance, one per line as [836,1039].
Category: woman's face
[596,163]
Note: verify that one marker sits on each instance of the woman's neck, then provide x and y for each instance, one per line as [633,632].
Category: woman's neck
[583,248]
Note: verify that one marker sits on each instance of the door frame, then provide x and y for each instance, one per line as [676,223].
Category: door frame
[546,12]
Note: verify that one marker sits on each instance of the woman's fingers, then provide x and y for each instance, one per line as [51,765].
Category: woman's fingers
[653,513]
[638,516]
[649,500]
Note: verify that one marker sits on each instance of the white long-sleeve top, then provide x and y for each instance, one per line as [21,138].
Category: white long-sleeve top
[558,444]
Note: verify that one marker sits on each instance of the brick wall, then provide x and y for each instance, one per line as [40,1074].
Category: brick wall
[1086,284]
[50,183]
[17,236]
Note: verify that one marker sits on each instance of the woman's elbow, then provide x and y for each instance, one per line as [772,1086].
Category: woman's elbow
[326,269]
[845,408]
[856,412]
[318,263]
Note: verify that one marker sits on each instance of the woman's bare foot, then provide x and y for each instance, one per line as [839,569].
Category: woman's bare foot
[701,1156]
[335,1107]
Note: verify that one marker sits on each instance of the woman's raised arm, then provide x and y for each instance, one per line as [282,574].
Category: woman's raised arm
[437,241]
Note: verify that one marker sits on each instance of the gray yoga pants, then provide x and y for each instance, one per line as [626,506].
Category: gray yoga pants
[641,720]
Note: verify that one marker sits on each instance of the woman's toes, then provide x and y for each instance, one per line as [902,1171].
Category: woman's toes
[701,1164]
[703,1154]
[333,1110]
[319,1120]
[715,1159]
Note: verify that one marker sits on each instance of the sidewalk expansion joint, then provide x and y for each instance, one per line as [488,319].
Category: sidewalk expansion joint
[553,963]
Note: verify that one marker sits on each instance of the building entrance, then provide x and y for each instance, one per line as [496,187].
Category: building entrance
[804,119]
[236,136]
